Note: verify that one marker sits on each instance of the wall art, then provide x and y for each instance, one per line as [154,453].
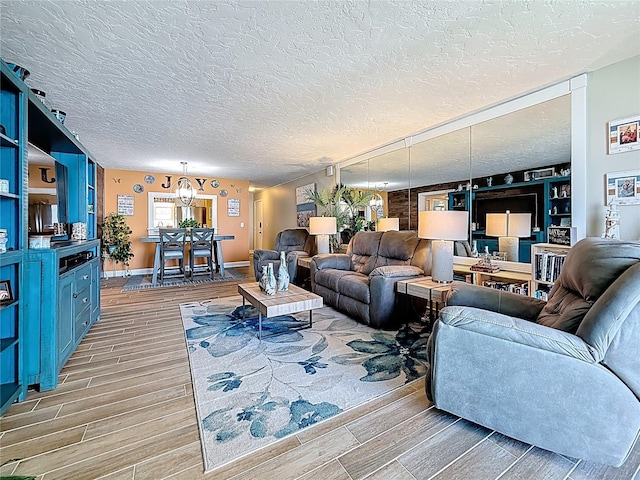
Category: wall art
[623,188]
[301,193]
[623,135]
[233,207]
[125,205]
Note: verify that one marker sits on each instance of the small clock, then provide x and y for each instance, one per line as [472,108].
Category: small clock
[215,183]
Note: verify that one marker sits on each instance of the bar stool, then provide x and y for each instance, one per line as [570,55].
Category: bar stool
[201,247]
[172,247]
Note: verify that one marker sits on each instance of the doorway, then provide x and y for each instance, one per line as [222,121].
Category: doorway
[257,225]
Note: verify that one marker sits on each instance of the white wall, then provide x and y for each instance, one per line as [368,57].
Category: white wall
[279,204]
[613,92]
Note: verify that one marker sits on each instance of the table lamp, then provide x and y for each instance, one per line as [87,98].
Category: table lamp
[443,226]
[508,227]
[322,227]
[386,224]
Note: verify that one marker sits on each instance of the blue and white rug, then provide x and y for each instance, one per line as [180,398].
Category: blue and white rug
[251,393]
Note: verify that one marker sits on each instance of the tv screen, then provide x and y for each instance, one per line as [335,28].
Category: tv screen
[518,203]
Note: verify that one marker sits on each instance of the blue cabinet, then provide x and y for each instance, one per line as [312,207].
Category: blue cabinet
[42,321]
[62,305]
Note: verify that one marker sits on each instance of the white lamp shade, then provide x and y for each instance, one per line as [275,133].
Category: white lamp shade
[508,224]
[322,226]
[443,224]
[386,224]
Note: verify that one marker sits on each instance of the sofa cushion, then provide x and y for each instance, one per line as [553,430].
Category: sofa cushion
[363,250]
[577,288]
[330,277]
[397,248]
[355,286]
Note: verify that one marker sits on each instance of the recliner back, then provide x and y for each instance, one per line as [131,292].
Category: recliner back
[293,239]
[591,266]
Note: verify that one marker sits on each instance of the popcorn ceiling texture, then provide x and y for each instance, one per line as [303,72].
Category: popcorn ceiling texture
[269,91]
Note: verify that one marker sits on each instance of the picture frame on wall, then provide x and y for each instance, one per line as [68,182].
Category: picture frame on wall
[623,188]
[301,193]
[6,295]
[623,135]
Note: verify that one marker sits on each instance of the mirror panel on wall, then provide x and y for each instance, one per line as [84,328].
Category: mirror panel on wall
[439,166]
[517,160]
[526,144]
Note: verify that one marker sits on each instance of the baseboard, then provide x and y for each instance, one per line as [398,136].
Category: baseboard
[149,271]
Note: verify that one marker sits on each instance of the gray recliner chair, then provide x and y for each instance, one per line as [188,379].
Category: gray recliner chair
[563,375]
[295,242]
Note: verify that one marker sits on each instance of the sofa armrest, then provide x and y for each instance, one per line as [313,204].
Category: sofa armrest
[339,261]
[511,304]
[292,262]
[393,271]
[517,331]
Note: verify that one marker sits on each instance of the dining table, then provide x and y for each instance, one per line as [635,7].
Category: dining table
[217,253]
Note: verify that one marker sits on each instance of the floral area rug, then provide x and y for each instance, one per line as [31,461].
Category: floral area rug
[251,393]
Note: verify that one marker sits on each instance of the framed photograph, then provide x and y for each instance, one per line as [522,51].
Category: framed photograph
[623,188]
[6,296]
[623,135]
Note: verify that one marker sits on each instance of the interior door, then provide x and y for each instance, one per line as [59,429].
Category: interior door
[257,225]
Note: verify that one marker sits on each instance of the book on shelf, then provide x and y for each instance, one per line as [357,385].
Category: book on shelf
[484,268]
[548,266]
[513,287]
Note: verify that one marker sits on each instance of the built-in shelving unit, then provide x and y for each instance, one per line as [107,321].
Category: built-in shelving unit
[34,314]
[547,260]
[13,230]
[535,196]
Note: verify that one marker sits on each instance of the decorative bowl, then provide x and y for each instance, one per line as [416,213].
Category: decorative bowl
[21,72]
[59,114]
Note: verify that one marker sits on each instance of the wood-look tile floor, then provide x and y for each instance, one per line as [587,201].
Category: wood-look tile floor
[124,409]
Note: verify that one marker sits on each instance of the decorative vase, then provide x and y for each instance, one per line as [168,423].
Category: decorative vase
[508,179]
[263,279]
[474,249]
[283,274]
[270,285]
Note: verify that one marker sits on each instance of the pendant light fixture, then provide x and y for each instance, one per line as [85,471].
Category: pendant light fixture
[185,193]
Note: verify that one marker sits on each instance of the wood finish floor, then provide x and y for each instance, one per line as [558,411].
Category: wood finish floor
[125,410]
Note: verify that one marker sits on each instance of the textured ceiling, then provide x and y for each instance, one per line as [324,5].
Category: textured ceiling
[269,91]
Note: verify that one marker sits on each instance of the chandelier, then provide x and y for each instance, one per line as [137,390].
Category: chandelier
[185,193]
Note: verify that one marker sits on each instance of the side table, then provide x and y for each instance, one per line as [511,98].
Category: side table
[424,287]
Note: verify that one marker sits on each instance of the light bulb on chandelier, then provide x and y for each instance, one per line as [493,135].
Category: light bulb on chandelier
[185,193]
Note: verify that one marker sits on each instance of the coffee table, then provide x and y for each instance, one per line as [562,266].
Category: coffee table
[293,300]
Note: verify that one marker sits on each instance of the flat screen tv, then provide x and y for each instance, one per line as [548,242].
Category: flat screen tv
[517,203]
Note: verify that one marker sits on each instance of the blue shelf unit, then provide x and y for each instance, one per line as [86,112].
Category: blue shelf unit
[535,196]
[27,121]
[13,227]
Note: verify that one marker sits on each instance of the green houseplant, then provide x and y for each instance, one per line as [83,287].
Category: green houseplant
[343,203]
[189,223]
[116,243]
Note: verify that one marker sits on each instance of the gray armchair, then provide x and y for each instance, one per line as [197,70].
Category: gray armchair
[295,242]
[563,375]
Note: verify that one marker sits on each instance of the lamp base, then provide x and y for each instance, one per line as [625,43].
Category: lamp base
[322,243]
[442,261]
[511,246]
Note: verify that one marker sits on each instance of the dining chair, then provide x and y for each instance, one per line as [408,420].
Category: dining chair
[172,247]
[201,247]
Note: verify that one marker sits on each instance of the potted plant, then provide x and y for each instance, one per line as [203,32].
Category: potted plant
[116,243]
[344,204]
[189,223]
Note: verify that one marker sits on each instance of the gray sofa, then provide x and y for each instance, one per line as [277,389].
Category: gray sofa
[362,282]
[295,242]
[562,375]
